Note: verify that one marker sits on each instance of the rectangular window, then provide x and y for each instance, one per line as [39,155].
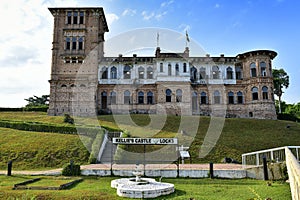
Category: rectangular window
[203,100]
[231,100]
[240,99]
[169,70]
[75,18]
[74,43]
[69,17]
[184,67]
[141,99]
[68,43]
[113,100]
[80,43]
[81,17]
[149,100]
[161,66]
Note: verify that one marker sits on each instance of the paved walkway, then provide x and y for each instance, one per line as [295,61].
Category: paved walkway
[130,167]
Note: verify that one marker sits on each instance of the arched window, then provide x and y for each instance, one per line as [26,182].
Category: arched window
[127,97]
[184,68]
[203,99]
[239,97]
[168,95]
[113,73]
[141,97]
[73,85]
[179,95]
[217,97]
[82,85]
[176,69]
[193,74]
[161,67]
[141,72]
[229,73]
[126,72]
[103,100]
[263,69]
[149,73]
[230,97]
[104,73]
[113,98]
[238,73]
[194,101]
[169,69]
[265,92]
[253,69]
[63,85]
[254,91]
[150,97]
[215,72]
[202,73]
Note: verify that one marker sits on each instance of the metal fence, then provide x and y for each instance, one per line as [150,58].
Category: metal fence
[293,167]
[272,155]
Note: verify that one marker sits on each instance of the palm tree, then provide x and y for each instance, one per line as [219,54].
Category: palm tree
[281,80]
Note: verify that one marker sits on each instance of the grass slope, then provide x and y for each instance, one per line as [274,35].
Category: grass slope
[34,150]
[37,150]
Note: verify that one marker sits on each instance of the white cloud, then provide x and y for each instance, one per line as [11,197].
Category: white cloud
[152,15]
[166,3]
[25,48]
[147,16]
[110,18]
[160,15]
[129,12]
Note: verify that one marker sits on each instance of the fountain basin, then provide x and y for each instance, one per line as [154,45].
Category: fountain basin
[145,188]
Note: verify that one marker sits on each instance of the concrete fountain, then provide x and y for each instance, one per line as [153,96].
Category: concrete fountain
[139,187]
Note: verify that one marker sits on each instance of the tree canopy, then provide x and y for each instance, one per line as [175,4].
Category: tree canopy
[281,80]
[38,101]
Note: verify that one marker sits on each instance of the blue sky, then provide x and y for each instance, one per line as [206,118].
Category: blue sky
[229,27]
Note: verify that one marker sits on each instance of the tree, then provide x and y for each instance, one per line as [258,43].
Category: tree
[281,80]
[38,101]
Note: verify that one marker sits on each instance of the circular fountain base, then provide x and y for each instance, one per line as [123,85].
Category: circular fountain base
[145,188]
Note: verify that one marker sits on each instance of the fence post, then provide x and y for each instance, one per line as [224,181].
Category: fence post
[211,170]
[265,166]
[9,168]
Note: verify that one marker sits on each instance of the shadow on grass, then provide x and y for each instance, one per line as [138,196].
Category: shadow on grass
[177,193]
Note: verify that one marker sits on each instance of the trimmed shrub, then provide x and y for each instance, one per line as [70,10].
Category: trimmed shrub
[42,108]
[71,170]
[11,109]
[288,117]
[68,119]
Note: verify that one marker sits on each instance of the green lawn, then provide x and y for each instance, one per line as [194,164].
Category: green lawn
[34,150]
[200,189]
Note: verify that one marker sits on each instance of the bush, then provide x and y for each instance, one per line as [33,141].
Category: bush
[42,108]
[11,109]
[68,119]
[71,170]
[288,117]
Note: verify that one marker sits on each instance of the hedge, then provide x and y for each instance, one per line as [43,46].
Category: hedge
[288,117]
[26,109]
[71,170]
[39,127]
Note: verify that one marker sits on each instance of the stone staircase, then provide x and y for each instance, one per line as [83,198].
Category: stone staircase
[109,148]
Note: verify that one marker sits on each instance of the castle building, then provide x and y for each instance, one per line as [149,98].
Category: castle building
[84,82]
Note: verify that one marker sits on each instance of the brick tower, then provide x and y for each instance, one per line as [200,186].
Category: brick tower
[78,38]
